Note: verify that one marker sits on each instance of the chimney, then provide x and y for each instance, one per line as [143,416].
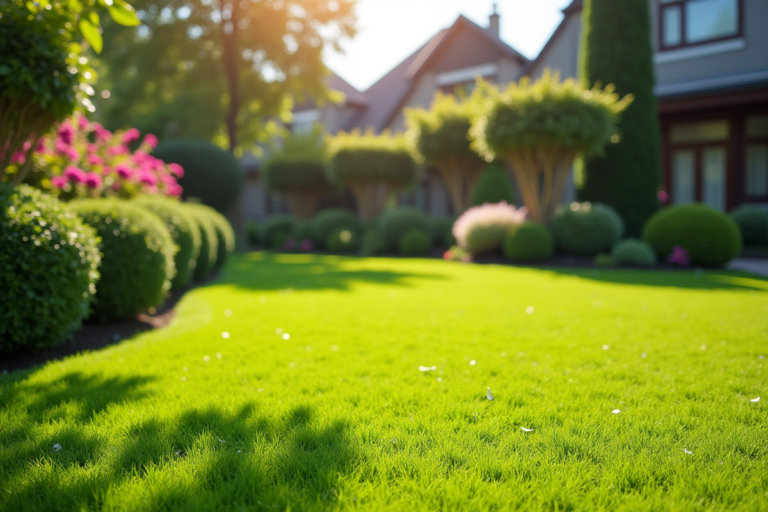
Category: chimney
[493,23]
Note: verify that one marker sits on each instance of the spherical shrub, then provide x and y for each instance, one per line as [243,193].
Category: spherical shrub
[585,229]
[394,223]
[530,241]
[225,235]
[183,230]
[303,231]
[333,219]
[48,261]
[415,242]
[373,243]
[210,173]
[440,229]
[493,186]
[481,229]
[753,224]
[276,229]
[209,241]
[711,238]
[342,240]
[633,252]
[137,257]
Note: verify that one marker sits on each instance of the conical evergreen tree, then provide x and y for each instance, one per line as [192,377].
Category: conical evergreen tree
[616,49]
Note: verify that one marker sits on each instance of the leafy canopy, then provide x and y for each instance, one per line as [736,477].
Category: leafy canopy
[366,157]
[297,161]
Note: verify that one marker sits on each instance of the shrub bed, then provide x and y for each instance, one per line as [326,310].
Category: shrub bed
[481,229]
[586,229]
[633,252]
[440,229]
[331,220]
[753,224]
[276,229]
[394,223]
[48,269]
[137,257]
[530,241]
[415,242]
[342,240]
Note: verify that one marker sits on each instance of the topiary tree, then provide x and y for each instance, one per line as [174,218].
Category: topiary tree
[298,171]
[372,167]
[48,261]
[585,229]
[211,174]
[441,135]
[539,128]
[493,186]
[137,263]
[616,49]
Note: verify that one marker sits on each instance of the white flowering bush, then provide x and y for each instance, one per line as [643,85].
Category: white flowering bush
[482,229]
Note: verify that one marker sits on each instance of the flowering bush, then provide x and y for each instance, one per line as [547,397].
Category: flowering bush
[482,228]
[83,159]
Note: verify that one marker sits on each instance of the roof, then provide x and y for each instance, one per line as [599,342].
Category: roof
[574,8]
[336,83]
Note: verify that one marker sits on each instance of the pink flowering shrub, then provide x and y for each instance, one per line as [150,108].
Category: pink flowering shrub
[83,159]
[481,229]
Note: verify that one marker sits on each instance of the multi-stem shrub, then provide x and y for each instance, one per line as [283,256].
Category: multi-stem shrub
[48,269]
[330,220]
[372,167]
[530,241]
[394,223]
[225,235]
[481,229]
[753,224]
[137,256]
[585,229]
[184,231]
[209,241]
[539,128]
[415,242]
[633,252]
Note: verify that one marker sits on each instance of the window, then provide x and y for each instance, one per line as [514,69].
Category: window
[756,171]
[692,22]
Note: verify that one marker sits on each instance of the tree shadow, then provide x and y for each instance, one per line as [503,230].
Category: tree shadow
[275,271]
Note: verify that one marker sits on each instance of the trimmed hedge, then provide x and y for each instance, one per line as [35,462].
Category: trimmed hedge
[711,238]
[48,261]
[753,224]
[209,241]
[137,263]
[183,230]
[342,240]
[225,235]
[586,229]
[493,186]
[394,223]
[441,229]
[373,243]
[276,229]
[530,241]
[633,252]
[415,242]
[328,221]
[210,173]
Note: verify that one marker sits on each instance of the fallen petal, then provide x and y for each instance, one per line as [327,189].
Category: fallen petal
[616,411]
[56,447]
[526,429]
[488,394]
[755,400]
[686,451]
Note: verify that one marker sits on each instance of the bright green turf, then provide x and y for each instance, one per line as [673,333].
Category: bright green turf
[340,417]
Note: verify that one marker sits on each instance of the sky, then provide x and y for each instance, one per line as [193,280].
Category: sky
[390,30]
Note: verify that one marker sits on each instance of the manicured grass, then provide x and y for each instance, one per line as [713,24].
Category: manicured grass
[339,416]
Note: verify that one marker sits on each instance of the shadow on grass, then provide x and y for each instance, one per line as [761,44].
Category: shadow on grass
[201,459]
[274,271]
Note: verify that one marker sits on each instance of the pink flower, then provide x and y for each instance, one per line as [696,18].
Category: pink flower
[72,154]
[307,245]
[499,217]
[59,181]
[679,256]
[177,170]
[18,158]
[27,145]
[150,140]
[95,159]
[74,174]
[92,180]
[289,244]
[66,133]
[82,122]
[117,150]
[124,171]
[40,148]
[663,197]
[102,135]
[173,190]
[131,135]
[106,170]
[92,148]
[148,179]
[168,179]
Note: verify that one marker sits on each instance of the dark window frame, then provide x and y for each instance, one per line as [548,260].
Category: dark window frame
[683,44]
[747,141]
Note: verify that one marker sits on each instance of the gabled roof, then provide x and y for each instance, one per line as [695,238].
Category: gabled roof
[334,82]
[574,8]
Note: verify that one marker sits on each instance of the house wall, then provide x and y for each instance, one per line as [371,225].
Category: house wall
[561,54]
[421,96]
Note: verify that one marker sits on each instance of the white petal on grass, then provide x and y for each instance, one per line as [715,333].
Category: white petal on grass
[220,440]
[687,452]
[527,429]
[606,347]
[56,447]
[472,363]
[286,336]
[529,310]
[616,411]
[427,368]
[225,335]
[755,400]
[488,394]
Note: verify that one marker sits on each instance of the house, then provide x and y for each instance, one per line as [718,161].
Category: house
[711,64]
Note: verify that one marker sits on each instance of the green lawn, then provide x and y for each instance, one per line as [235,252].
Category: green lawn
[339,415]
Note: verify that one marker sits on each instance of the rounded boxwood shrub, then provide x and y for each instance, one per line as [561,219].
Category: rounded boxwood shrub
[209,241]
[211,174]
[137,257]
[530,241]
[753,224]
[342,240]
[441,230]
[415,242]
[394,223]
[183,230]
[633,252]
[711,238]
[493,186]
[372,243]
[333,219]
[586,229]
[276,229]
[225,235]
[48,262]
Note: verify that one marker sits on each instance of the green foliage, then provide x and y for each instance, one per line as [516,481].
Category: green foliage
[276,229]
[633,252]
[48,265]
[616,49]
[585,229]
[711,238]
[211,174]
[225,235]
[440,230]
[603,260]
[753,224]
[184,231]
[342,240]
[415,242]
[297,163]
[137,263]
[331,220]
[303,231]
[209,241]
[493,186]
[530,241]
[395,223]
[253,230]
[373,243]
[367,157]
